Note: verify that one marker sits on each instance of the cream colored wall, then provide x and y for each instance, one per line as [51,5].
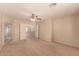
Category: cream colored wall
[63,30]
[0,32]
[66,30]
[45,31]
[16,30]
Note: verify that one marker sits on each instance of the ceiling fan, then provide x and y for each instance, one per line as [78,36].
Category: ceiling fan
[35,18]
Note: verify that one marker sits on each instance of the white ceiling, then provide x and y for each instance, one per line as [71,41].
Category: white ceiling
[24,10]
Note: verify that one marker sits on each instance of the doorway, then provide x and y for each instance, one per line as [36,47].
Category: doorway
[7,32]
[27,32]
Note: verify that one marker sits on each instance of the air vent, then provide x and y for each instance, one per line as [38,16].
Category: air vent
[52,4]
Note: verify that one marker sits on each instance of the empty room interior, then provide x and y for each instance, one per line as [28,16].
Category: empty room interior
[39,29]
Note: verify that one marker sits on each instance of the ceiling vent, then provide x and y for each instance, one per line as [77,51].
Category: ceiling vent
[52,4]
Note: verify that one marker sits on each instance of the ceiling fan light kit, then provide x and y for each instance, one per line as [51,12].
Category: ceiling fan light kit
[35,18]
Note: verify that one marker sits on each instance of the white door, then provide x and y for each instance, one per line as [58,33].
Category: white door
[22,32]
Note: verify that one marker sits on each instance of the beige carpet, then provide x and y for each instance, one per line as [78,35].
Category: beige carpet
[37,48]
